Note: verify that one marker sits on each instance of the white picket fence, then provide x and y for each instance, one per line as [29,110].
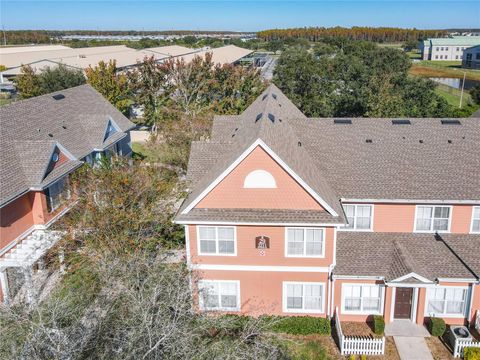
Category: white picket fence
[461,344]
[358,345]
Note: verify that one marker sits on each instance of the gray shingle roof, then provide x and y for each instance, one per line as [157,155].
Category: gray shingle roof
[392,255]
[265,119]
[367,159]
[467,247]
[30,129]
[259,216]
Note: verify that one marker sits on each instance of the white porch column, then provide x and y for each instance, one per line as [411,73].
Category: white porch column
[4,286]
[29,287]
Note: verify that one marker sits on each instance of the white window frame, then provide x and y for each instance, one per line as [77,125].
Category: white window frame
[259,179]
[322,255]
[372,207]
[200,298]
[447,315]
[450,215]
[216,240]
[303,310]
[474,218]
[363,312]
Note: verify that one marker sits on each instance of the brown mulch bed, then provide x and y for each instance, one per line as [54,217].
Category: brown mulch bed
[438,348]
[357,329]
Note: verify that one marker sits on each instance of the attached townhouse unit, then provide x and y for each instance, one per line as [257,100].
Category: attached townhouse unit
[447,49]
[43,140]
[290,215]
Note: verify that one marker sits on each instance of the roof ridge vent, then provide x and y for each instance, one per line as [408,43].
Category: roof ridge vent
[342,121]
[401,122]
[58,96]
[450,122]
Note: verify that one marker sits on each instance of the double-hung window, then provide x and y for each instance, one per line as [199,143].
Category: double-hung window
[362,298]
[305,242]
[475,220]
[433,218]
[216,240]
[219,295]
[446,301]
[303,297]
[359,217]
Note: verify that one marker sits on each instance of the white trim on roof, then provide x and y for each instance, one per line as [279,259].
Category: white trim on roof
[412,275]
[62,150]
[410,201]
[265,147]
[215,222]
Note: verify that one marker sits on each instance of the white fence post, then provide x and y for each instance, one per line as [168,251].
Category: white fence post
[461,344]
[358,345]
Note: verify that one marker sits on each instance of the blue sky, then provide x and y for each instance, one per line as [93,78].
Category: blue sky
[235,15]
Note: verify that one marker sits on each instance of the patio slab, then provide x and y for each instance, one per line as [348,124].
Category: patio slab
[405,328]
[412,348]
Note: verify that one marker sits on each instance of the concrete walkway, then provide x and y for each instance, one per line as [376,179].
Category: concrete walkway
[409,339]
[412,348]
[405,328]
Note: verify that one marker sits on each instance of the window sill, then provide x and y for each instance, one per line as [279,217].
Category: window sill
[301,311]
[306,256]
[359,230]
[221,309]
[210,254]
[346,312]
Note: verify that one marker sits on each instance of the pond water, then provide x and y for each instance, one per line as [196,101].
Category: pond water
[456,83]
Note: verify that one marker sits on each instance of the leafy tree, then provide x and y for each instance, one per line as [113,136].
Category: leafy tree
[59,78]
[303,80]
[355,78]
[147,81]
[475,94]
[28,83]
[114,87]
[48,80]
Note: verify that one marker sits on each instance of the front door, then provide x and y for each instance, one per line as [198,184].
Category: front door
[403,303]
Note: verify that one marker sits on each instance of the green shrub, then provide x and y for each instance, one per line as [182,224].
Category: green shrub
[471,353]
[378,324]
[301,325]
[436,326]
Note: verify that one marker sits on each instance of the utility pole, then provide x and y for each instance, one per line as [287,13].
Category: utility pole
[463,86]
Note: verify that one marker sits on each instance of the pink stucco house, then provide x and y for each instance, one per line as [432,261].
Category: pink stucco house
[42,141]
[291,215]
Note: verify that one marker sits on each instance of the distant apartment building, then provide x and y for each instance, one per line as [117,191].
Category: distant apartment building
[447,49]
[471,58]
[43,140]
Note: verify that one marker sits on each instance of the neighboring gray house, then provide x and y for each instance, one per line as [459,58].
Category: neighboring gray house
[471,57]
[42,141]
[447,49]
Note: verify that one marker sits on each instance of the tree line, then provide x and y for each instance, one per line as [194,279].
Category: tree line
[341,77]
[379,34]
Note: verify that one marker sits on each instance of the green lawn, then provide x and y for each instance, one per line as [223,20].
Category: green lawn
[428,68]
[143,152]
[452,96]
[5,101]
